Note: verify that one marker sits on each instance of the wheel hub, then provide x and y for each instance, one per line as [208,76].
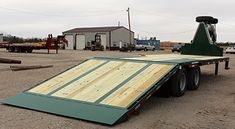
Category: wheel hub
[183,82]
[196,77]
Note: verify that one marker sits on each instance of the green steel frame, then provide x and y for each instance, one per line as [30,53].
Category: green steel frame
[201,44]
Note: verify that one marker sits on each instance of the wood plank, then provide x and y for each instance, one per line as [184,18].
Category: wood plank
[165,57]
[138,85]
[66,77]
[99,88]
[78,86]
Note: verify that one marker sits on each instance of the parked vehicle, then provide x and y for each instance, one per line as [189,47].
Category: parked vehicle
[124,47]
[51,43]
[144,47]
[230,49]
[96,44]
[177,47]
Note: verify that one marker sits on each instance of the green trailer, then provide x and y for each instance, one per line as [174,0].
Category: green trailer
[109,90]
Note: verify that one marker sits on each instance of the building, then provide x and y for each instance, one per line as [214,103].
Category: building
[1,38]
[167,44]
[152,41]
[80,38]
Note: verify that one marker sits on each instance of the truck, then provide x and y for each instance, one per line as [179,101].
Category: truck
[144,47]
[51,43]
[110,90]
[177,47]
[230,49]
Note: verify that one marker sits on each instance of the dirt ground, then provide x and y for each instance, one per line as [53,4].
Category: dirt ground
[212,106]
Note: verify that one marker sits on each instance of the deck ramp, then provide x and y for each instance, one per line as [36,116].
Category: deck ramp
[101,90]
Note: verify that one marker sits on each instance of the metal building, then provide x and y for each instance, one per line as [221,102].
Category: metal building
[1,37]
[80,38]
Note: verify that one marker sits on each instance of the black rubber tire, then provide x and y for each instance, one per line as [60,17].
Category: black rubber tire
[29,50]
[92,48]
[11,49]
[194,77]
[102,48]
[175,83]
[207,19]
[23,50]
[17,49]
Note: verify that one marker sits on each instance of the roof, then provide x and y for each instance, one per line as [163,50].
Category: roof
[94,29]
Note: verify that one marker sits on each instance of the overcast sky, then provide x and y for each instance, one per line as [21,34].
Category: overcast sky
[168,20]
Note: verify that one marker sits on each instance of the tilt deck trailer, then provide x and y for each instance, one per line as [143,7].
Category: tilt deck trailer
[109,90]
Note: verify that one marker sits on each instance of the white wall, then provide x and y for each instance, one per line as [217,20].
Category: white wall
[70,39]
[122,35]
[80,42]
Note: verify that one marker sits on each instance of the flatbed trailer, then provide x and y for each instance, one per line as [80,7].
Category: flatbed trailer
[25,47]
[109,90]
[51,43]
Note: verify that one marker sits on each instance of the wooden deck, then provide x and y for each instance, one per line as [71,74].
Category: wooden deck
[168,57]
[137,86]
[66,77]
[109,82]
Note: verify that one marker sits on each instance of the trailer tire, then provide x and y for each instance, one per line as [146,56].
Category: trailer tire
[178,83]
[29,50]
[23,50]
[194,75]
[92,48]
[102,48]
[17,49]
[11,49]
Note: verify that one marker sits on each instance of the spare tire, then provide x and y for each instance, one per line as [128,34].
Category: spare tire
[207,19]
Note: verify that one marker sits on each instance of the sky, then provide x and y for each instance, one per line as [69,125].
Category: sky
[168,20]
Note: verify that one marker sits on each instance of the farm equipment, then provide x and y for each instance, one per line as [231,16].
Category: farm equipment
[109,90]
[50,43]
[96,44]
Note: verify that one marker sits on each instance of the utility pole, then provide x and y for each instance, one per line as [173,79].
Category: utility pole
[129,22]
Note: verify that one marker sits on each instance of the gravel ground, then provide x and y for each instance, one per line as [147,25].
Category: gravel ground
[212,106]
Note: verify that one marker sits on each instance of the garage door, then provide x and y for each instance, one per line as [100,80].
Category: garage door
[69,38]
[103,41]
[80,42]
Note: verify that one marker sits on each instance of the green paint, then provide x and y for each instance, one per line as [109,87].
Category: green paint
[72,109]
[201,44]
